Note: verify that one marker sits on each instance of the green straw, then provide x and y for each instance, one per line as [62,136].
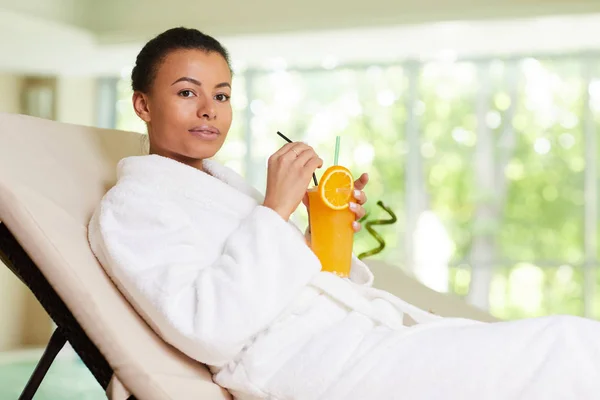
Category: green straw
[337,150]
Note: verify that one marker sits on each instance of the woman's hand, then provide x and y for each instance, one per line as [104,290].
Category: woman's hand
[289,172]
[361,198]
[356,207]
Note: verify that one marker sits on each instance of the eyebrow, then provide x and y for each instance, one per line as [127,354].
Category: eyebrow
[198,83]
[223,84]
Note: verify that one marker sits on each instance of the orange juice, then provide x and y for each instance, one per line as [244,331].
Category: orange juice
[331,235]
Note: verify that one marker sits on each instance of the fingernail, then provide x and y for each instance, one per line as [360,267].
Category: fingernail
[352,206]
[356,193]
[355,225]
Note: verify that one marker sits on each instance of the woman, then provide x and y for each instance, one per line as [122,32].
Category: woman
[224,266]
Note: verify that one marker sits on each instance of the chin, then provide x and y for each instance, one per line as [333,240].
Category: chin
[203,151]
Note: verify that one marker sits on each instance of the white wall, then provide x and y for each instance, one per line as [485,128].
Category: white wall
[75,97]
[12,292]
[23,322]
[76,100]
[12,295]
[10,92]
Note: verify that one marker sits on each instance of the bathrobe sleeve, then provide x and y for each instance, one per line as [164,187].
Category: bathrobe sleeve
[360,273]
[220,299]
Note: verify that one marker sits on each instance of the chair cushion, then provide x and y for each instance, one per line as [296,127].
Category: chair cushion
[392,279]
[52,176]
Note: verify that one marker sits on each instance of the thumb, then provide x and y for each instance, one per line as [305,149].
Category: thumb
[305,199]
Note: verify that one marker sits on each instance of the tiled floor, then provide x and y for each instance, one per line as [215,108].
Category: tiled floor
[67,379]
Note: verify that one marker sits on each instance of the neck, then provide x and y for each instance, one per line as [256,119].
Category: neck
[192,162]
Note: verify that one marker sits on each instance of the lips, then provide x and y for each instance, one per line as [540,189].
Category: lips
[205,132]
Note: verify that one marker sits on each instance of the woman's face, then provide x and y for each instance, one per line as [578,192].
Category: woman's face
[187,108]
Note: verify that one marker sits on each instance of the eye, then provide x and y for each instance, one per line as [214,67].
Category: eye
[186,93]
[222,97]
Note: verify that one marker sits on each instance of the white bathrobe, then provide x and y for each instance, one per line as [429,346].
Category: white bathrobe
[243,288]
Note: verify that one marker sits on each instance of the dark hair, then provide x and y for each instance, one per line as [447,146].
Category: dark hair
[156,50]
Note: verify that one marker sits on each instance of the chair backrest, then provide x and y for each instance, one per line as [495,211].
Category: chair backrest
[52,176]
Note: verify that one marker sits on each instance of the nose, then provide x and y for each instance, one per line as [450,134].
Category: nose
[206,107]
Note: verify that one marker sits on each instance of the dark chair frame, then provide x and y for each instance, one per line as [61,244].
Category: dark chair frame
[68,329]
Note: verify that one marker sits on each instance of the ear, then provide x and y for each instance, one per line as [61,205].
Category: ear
[140,105]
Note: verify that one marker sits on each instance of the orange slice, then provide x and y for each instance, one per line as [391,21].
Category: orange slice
[336,187]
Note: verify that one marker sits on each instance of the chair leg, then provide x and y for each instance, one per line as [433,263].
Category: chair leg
[56,343]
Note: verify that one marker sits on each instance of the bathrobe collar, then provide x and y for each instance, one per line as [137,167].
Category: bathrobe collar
[219,187]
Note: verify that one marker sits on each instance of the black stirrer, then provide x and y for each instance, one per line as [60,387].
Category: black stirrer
[289,141]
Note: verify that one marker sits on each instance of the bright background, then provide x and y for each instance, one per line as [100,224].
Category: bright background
[477,123]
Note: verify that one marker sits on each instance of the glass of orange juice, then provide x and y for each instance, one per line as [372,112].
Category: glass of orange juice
[332,236]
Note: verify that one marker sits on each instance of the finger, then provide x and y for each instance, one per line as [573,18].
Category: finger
[296,152]
[300,147]
[360,196]
[286,148]
[313,164]
[356,226]
[362,181]
[358,210]
[305,156]
[283,150]
[305,200]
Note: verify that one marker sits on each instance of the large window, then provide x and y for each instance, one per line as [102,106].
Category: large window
[490,166]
